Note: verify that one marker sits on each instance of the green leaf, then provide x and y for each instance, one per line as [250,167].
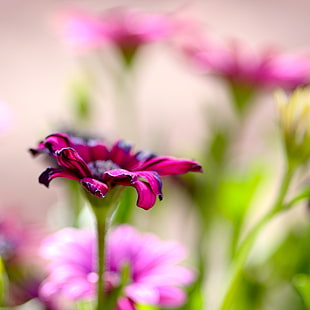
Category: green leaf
[302,284]
[237,192]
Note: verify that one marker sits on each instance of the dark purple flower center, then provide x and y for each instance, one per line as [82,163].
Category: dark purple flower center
[98,167]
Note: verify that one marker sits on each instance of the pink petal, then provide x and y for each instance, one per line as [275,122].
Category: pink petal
[119,176]
[154,180]
[171,166]
[171,297]
[95,187]
[51,173]
[69,158]
[125,304]
[146,197]
[142,294]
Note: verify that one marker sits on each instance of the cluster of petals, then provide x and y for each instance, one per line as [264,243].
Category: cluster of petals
[99,168]
[127,29]
[240,64]
[154,276]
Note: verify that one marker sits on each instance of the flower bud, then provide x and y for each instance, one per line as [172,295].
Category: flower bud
[294,114]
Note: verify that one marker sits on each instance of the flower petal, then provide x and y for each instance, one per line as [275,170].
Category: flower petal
[69,158]
[120,153]
[120,176]
[95,187]
[142,294]
[171,297]
[171,166]
[146,196]
[125,304]
[52,173]
[56,142]
[154,180]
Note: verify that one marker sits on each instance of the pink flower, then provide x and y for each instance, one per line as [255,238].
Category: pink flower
[127,29]
[19,242]
[153,275]
[99,168]
[241,65]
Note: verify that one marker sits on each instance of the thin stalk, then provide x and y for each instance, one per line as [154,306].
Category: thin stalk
[247,244]
[101,233]
[102,209]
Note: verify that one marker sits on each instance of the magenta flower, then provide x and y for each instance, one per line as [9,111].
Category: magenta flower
[99,168]
[127,30]
[238,64]
[153,275]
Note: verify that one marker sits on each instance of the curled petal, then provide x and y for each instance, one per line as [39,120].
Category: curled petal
[171,166]
[52,173]
[120,176]
[154,180]
[69,158]
[95,187]
[56,142]
[146,196]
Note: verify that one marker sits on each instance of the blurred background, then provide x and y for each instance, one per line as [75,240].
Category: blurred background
[172,101]
[37,67]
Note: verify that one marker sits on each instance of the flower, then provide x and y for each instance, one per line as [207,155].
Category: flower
[127,30]
[19,242]
[241,65]
[142,268]
[99,168]
[294,114]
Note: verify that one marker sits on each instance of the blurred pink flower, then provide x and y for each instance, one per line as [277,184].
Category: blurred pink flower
[241,65]
[150,265]
[19,242]
[126,29]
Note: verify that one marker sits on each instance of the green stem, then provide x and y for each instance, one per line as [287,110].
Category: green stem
[102,209]
[101,233]
[250,239]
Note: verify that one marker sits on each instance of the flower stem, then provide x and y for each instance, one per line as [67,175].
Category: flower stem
[101,233]
[247,244]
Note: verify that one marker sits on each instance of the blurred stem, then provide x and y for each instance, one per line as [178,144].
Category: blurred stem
[76,201]
[304,195]
[247,244]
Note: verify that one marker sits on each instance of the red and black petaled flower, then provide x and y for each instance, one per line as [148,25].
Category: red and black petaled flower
[99,168]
